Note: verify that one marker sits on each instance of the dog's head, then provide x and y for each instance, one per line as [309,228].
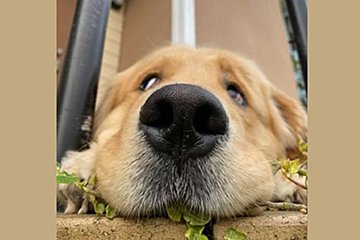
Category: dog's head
[192,127]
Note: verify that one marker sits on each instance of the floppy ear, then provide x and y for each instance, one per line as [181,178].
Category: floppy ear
[293,121]
[110,100]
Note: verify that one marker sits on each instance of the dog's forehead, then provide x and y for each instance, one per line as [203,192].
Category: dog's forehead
[176,57]
[198,62]
[180,56]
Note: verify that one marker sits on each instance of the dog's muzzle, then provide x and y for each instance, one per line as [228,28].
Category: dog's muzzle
[184,121]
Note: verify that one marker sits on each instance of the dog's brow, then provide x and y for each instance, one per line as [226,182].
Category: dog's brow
[225,75]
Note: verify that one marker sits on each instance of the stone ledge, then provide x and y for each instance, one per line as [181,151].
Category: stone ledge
[270,225]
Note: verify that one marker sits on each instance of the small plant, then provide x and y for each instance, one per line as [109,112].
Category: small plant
[195,224]
[290,167]
[62,177]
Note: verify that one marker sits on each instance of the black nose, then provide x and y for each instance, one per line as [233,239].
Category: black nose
[183,120]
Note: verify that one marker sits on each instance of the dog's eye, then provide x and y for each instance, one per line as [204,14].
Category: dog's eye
[236,94]
[149,82]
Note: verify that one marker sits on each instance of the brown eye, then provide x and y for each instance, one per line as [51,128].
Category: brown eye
[149,82]
[236,94]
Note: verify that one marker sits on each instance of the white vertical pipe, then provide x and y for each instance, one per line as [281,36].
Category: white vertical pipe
[183,22]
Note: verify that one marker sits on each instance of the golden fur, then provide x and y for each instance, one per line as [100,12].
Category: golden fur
[265,130]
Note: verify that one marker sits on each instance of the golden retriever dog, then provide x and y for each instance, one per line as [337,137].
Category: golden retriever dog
[192,127]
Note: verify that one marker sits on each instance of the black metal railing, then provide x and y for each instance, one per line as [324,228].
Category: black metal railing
[79,78]
[296,17]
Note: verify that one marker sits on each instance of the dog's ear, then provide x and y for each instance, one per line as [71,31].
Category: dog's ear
[293,121]
[109,101]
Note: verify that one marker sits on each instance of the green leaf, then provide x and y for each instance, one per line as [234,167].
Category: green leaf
[195,229]
[65,178]
[294,166]
[291,167]
[302,146]
[285,164]
[191,235]
[92,180]
[62,177]
[99,208]
[110,212]
[302,172]
[174,214]
[196,219]
[234,234]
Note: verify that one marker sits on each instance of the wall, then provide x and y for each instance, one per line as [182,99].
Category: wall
[252,28]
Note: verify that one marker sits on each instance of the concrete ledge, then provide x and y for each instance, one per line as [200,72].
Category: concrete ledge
[94,227]
[270,225]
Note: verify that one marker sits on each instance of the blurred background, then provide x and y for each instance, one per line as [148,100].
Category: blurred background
[271,32]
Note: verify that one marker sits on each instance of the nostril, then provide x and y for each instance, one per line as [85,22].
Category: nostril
[209,120]
[159,114]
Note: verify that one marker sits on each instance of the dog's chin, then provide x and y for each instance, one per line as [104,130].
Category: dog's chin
[164,184]
[200,185]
